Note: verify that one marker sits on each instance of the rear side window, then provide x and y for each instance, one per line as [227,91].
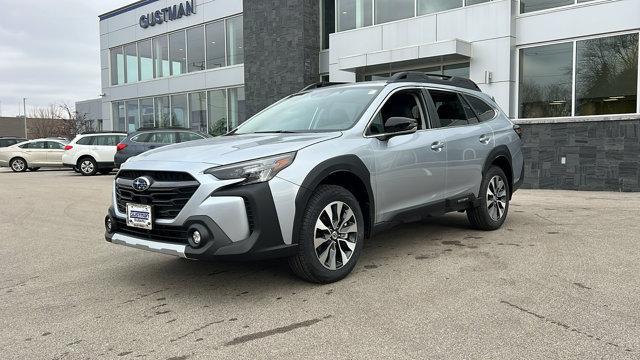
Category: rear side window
[87,140]
[161,137]
[34,145]
[189,136]
[54,145]
[485,111]
[451,109]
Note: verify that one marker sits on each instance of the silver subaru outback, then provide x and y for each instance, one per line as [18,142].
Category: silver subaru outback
[314,175]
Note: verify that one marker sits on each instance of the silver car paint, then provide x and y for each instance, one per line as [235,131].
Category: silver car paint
[405,171]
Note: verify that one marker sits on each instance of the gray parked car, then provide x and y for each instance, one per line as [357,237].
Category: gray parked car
[314,175]
[146,139]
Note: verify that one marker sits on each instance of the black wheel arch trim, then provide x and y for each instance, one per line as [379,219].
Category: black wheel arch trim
[500,151]
[346,163]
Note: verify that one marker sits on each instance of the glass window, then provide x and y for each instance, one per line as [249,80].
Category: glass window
[179,115]
[117,66]
[459,70]
[54,145]
[103,140]
[354,14]
[450,109]
[433,6]
[235,47]
[87,140]
[133,116]
[177,53]
[545,81]
[327,21]
[536,5]
[391,10]
[400,104]
[162,111]
[218,112]
[215,45]
[484,111]
[146,113]
[195,45]
[198,110]
[161,56]
[120,119]
[607,75]
[164,137]
[188,136]
[320,110]
[36,145]
[146,60]
[237,112]
[131,56]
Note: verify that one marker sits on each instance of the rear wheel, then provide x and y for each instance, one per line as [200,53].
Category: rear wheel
[18,165]
[331,236]
[494,201]
[87,166]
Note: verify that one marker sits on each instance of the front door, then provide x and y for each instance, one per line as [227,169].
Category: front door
[409,169]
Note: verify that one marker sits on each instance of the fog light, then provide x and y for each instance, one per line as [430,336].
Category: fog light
[108,224]
[196,237]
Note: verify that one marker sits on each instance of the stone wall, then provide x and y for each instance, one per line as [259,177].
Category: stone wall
[282,43]
[598,155]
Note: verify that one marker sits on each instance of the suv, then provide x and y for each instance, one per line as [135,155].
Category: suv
[10,140]
[314,175]
[147,139]
[92,153]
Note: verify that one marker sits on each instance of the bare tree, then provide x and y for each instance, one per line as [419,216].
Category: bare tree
[58,120]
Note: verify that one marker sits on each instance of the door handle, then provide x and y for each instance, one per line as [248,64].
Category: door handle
[484,138]
[437,146]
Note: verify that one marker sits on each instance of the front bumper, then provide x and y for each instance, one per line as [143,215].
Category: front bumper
[248,230]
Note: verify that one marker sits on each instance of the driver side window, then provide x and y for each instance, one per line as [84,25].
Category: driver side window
[401,104]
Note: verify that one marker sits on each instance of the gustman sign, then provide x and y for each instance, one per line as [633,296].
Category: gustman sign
[167,14]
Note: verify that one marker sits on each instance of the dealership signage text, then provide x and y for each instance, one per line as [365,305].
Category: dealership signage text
[167,14]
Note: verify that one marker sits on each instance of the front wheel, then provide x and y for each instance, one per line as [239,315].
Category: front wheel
[494,201]
[18,165]
[331,236]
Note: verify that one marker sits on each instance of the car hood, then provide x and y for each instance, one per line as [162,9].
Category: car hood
[225,150]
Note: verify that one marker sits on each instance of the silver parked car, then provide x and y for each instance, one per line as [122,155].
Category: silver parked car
[314,175]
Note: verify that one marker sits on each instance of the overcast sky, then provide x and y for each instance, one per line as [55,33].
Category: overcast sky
[50,51]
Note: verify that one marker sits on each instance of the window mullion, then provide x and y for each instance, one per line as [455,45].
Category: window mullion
[573,81]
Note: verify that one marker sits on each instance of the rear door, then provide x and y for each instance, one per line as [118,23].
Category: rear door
[54,153]
[105,147]
[468,142]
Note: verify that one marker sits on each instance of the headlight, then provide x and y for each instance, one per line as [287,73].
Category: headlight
[254,171]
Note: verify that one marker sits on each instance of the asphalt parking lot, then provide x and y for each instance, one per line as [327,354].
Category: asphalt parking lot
[559,280]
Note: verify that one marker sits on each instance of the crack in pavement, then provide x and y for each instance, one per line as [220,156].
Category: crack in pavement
[564,326]
[280,330]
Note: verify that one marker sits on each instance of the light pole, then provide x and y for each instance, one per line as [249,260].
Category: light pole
[24,106]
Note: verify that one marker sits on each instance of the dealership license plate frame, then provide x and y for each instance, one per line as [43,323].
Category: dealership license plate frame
[139,220]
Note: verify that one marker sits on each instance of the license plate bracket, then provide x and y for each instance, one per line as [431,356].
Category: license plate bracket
[139,216]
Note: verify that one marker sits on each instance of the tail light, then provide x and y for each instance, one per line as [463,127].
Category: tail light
[121,147]
[68,147]
[518,130]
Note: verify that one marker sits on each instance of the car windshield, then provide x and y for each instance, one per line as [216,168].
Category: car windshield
[329,109]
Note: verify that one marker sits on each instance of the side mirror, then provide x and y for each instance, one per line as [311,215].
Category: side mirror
[399,124]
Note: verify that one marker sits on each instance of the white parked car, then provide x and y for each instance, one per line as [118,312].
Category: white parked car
[89,154]
[33,154]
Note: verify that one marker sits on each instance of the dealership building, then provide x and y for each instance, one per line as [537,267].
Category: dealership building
[565,70]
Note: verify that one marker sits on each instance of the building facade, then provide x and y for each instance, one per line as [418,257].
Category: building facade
[565,70]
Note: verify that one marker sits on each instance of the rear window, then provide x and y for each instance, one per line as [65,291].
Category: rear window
[485,111]
[189,136]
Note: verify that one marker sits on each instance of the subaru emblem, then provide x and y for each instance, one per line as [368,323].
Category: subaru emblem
[141,184]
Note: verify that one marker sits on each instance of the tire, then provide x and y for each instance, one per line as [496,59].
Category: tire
[493,210]
[337,253]
[34,168]
[18,164]
[87,166]
[105,171]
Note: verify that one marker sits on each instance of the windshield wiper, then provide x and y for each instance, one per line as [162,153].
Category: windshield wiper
[275,132]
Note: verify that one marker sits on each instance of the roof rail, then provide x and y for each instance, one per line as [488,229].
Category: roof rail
[163,128]
[413,76]
[102,132]
[321,84]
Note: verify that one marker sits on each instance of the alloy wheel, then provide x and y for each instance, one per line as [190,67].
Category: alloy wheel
[335,235]
[18,165]
[86,167]
[496,198]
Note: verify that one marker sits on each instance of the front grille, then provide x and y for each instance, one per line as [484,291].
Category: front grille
[172,234]
[168,194]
